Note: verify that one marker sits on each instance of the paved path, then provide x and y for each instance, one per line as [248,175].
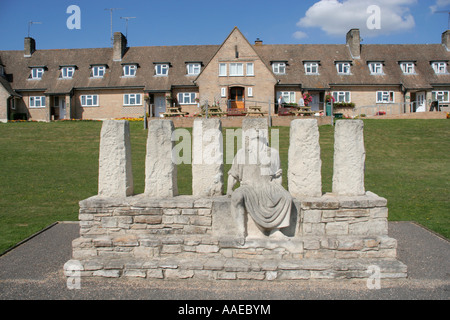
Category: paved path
[34,270]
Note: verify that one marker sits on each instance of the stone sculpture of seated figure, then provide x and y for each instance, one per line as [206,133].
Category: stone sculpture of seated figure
[260,194]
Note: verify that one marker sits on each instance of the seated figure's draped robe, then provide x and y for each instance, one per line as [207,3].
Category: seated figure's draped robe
[265,199]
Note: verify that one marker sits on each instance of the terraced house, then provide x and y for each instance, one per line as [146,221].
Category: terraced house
[122,81]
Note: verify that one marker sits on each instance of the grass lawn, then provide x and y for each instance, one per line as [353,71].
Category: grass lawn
[48,167]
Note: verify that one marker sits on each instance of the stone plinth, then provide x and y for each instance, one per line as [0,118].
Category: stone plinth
[192,237]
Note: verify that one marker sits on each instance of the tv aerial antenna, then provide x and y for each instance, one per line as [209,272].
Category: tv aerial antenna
[29,25]
[126,24]
[447,12]
[111,20]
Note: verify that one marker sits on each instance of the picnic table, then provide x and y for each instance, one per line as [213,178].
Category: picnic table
[214,111]
[304,110]
[256,110]
[174,112]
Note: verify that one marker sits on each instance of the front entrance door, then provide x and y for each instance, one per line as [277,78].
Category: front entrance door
[315,100]
[62,108]
[160,106]
[420,101]
[237,97]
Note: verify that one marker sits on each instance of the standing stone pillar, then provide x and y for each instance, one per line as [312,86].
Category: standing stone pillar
[115,177]
[305,165]
[252,126]
[207,154]
[160,169]
[349,158]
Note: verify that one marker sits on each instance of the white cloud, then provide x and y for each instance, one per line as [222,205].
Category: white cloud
[337,17]
[300,35]
[439,5]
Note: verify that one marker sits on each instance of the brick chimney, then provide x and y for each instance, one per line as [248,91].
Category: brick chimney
[446,39]
[354,43]
[119,47]
[29,47]
[258,42]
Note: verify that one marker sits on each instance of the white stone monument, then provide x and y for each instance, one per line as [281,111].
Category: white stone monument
[115,177]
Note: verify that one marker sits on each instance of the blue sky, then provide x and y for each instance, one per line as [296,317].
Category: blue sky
[181,22]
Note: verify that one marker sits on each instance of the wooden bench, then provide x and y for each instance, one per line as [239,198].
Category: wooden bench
[255,110]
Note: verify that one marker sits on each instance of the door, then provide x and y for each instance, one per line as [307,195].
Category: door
[420,101]
[62,108]
[314,104]
[160,106]
[237,97]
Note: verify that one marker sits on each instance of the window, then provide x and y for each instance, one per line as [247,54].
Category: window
[222,69]
[385,96]
[132,99]
[186,98]
[287,96]
[312,68]
[37,102]
[129,70]
[250,69]
[223,92]
[376,67]
[193,68]
[343,67]
[162,69]
[67,72]
[407,67]
[250,92]
[89,100]
[441,96]
[439,67]
[36,73]
[98,71]
[342,96]
[236,69]
[279,67]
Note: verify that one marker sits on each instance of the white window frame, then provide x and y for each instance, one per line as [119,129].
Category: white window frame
[236,69]
[250,92]
[288,96]
[385,97]
[37,73]
[187,98]
[98,71]
[67,72]
[37,102]
[342,96]
[408,67]
[439,67]
[129,70]
[223,92]
[311,67]
[279,67]
[132,99]
[193,69]
[250,69]
[343,67]
[441,96]
[89,100]
[162,69]
[223,69]
[376,68]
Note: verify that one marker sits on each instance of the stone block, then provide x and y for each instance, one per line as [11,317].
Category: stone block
[115,178]
[207,158]
[160,169]
[349,158]
[336,228]
[148,219]
[304,162]
[155,274]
